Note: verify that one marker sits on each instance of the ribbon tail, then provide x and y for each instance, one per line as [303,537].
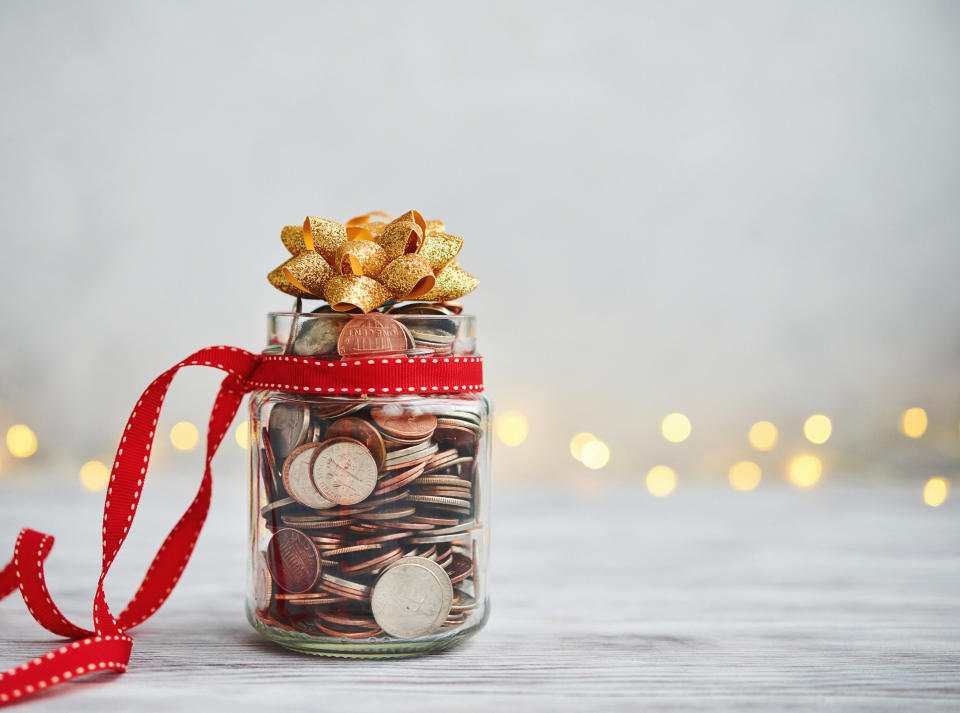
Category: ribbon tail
[108,648]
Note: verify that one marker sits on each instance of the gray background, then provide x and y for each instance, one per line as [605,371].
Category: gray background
[738,210]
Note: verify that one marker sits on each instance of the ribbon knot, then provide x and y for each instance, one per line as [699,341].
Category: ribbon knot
[372,260]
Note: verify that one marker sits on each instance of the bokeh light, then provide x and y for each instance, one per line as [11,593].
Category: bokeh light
[184,436]
[21,441]
[745,475]
[817,428]
[675,427]
[94,475]
[242,434]
[578,442]
[805,470]
[512,428]
[763,435]
[935,492]
[595,455]
[661,480]
[913,422]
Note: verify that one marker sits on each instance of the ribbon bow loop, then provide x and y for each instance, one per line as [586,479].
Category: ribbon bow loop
[371,260]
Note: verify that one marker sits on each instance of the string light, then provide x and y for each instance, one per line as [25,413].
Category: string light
[805,470]
[512,428]
[242,434]
[578,442]
[675,427]
[817,428]
[21,441]
[763,435]
[184,436]
[94,475]
[745,475]
[595,455]
[935,492]
[913,422]
[661,480]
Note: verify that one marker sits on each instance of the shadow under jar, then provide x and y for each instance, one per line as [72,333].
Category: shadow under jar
[369,513]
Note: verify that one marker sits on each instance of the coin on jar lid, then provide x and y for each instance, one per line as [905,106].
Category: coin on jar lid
[298,477]
[373,335]
[360,430]
[401,422]
[412,597]
[318,336]
[293,560]
[288,424]
[262,582]
[344,471]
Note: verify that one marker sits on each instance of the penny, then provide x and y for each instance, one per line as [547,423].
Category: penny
[373,335]
[411,598]
[404,423]
[293,560]
[298,478]
[262,583]
[377,562]
[362,431]
[344,471]
[318,337]
[288,424]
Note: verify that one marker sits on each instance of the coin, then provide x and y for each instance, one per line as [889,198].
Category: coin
[288,424]
[412,597]
[373,335]
[262,582]
[293,560]
[401,422]
[344,471]
[363,431]
[298,478]
[318,337]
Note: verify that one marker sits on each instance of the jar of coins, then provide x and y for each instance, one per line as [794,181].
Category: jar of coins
[369,513]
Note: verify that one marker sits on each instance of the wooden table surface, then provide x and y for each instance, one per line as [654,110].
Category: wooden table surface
[846,597]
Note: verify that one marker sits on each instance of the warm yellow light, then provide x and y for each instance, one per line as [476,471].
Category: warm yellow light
[242,434]
[817,428]
[578,442]
[675,427]
[94,475]
[935,492]
[805,470]
[763,435]
[512,428]
[595,455]
[745,475]
[913,422]
[21,441]
[661,480]
[184,436]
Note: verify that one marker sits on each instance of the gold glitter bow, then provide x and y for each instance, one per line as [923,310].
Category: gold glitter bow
[372,260]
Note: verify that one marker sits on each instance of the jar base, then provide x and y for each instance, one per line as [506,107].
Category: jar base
[372,648]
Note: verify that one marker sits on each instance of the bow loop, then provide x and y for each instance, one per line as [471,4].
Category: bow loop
[371,260]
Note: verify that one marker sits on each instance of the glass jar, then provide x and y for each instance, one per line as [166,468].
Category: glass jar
[369,515]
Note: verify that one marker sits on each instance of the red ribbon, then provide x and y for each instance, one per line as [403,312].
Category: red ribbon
[107,646]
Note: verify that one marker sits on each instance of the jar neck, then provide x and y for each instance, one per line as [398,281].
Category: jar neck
[412,330]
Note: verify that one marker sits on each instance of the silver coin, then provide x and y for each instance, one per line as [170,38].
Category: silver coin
[318,337]
[298,478]
[412,597]
[262,582]
[344,471]
[288,424]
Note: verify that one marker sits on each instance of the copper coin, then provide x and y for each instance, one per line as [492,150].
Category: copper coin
[373,335]
[293,560]
[344,471]
[404,423]
[363,431]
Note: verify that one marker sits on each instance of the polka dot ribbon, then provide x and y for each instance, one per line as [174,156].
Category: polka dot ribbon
[107,646]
